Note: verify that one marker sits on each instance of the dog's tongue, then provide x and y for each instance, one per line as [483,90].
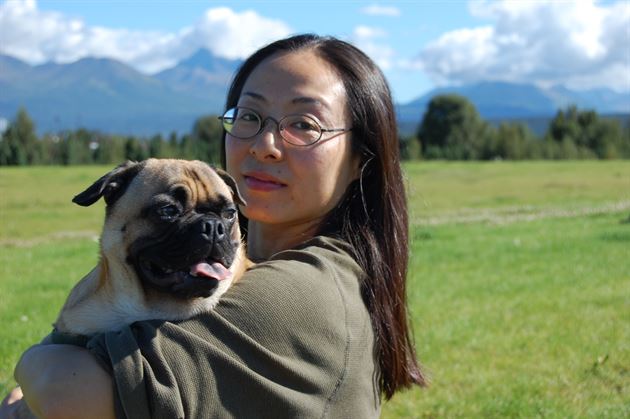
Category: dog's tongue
[215,270]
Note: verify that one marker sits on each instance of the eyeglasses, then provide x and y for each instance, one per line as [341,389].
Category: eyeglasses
[300,130]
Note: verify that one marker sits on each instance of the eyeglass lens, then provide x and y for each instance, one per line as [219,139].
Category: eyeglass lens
[295,129]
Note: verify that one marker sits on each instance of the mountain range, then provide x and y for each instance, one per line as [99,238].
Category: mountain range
[109,96]
[535,106]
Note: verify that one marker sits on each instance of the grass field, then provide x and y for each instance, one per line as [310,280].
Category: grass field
[519,282]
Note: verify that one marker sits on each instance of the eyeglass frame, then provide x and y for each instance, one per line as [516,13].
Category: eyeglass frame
[263,123]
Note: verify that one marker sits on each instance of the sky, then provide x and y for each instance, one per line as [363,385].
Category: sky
[419,45]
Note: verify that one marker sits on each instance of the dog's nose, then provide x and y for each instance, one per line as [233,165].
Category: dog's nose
[213,230]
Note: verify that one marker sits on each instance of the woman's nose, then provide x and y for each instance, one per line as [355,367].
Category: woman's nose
[268,143]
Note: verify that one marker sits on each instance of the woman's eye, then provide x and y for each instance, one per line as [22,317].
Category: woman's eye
[304,125]
[248,117]
[229,214]
[168,211]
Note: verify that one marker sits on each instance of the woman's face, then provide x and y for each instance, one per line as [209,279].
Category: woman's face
[283,183]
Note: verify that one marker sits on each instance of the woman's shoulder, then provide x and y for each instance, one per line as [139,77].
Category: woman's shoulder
[319,249]
[316,281]
[318,267]
[320,258]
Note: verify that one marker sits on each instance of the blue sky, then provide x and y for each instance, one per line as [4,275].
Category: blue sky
[419,45]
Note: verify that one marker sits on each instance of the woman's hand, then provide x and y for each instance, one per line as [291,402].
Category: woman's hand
[64,381]
[14,407]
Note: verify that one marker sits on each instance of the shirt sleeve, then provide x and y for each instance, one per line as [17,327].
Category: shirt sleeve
[277,345]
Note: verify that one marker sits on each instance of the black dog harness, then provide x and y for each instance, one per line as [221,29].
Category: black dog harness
[69,338]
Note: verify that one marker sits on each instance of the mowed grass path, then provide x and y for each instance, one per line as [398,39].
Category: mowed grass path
[519,281]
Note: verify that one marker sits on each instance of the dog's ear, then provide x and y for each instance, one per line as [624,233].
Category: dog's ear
[111,186]
[229,180]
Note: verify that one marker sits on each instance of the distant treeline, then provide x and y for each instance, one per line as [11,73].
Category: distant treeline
[21,146]
[451,129]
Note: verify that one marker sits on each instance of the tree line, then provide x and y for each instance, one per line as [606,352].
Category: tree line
[451,129]
[21,146]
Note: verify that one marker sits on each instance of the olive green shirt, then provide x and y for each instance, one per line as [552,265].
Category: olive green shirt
[291,339]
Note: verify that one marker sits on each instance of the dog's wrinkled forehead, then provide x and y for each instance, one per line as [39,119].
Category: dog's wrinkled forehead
[192,181]
[197,179]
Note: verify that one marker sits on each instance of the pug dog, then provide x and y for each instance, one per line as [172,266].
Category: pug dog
[170,246]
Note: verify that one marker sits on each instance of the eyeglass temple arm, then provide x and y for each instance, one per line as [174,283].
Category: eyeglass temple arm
[336,129]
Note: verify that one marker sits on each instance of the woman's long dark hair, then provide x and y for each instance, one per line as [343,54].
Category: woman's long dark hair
[372,215]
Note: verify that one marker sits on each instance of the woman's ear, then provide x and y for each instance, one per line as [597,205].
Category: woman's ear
[360,160]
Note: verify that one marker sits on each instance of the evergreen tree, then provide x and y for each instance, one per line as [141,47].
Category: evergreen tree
[135,150]
[19,145]
[206,136]
[174,145]
[452,128]
[583,134]
[510,141]
[158,147]
[111,151]
[51,146]
[78,149]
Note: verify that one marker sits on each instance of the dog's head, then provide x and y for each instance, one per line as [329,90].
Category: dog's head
[171,225]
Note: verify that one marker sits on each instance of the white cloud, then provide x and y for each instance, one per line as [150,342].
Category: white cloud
[365,38]
[38,36]
[378,10]
[367,32]
[235,35]
[582,44]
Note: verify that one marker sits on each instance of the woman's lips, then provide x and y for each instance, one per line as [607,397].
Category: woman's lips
[262,182]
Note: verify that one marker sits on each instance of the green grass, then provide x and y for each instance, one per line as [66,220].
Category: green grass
[37,202]
[519,284]
[511,320]
[438,189]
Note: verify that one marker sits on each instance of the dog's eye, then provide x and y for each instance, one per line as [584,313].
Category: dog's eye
[229,214]
[168,211]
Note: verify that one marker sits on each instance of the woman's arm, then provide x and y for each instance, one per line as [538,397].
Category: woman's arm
[65,381]
[14,407]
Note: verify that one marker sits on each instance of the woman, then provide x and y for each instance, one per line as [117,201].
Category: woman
[319,327]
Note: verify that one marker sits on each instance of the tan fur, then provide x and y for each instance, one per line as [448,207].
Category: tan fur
[112,295]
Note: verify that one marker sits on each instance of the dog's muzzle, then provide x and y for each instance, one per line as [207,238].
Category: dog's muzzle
[187,260]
